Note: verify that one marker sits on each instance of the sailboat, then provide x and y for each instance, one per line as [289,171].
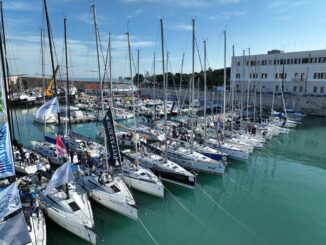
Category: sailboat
[66,203]
[103,185]
[166,170]
[28,161]
[133,174]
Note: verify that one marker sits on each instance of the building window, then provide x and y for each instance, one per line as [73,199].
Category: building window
[294,88]
[322,60]
[305,60]
[296,75]
[264,75]
[283,61]
[274,62]
[290,61]
[239,63]
[264,62]
[322,89]
[300,89]
[302,76]
[315,89]
[237,75]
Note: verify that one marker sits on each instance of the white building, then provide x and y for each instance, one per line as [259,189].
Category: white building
[300,73]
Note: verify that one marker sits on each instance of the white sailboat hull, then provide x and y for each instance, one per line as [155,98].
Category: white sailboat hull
[110,202]
[38,233]
[144,186]
[26,169]
[70,223]
[217,169]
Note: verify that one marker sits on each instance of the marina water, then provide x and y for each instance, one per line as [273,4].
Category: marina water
[277,197]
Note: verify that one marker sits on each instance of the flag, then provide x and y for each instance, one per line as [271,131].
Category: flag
[48,108]
[60,177]
[10,201]
[60,148]
[111,139]
[6,159]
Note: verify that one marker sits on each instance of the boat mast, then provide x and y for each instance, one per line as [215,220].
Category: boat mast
[43,72]
[232,89]
[255,90]
[192,86]
[138,84]
[182,62]
[110,71]
[164,87]
[67,77]
[248,85]
[98,57]
[205,96]
[154,76]
[242,84]
[224,93]
[51,54]
[133,98]
[42,60]
[5,75]
[284,107]
[99,77]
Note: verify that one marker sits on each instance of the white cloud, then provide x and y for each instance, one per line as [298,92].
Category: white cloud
[226,15]
[181,27]
[21,6]
[282,6]
[88,18]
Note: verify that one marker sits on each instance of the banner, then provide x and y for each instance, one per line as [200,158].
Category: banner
[60,148]
[9,201]
[111,139]
[6,159]
[48,108]
[60,177]
[14,231]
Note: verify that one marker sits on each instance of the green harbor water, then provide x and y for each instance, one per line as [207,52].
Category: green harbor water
[277,197]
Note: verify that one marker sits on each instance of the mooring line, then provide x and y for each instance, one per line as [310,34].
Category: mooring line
[148,232]
[232,180]
[192,215]
[229,214]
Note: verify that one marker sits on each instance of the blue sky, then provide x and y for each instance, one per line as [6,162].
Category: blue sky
[261,25]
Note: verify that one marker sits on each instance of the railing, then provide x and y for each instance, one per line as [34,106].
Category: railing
[298,79]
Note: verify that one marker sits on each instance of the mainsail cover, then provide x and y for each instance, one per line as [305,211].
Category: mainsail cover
[6,160]
[111,139]
[9,201]
[60,177]
[48,108]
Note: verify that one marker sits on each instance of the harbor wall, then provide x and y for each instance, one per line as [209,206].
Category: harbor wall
[306,104]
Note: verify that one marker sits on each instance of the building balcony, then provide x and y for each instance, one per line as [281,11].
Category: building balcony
[298,79]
